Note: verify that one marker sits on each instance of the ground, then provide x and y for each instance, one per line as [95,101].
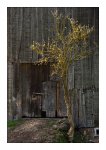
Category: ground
[37,130]
[46,130]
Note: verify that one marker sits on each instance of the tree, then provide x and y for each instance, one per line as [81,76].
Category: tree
[70,43]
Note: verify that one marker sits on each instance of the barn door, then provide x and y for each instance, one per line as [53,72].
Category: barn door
[38,75]
[31,88]
[53,102]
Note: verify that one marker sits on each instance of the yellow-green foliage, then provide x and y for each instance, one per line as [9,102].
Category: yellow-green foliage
[71,43]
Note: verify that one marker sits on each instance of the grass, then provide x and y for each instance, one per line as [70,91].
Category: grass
[13,123]
[61,137]
[50,123]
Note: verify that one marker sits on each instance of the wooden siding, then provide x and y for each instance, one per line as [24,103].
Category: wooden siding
[25,79]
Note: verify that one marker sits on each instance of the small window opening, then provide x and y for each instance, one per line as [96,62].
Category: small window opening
[96,131]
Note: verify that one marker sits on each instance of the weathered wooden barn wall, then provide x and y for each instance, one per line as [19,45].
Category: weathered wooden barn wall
[30,91]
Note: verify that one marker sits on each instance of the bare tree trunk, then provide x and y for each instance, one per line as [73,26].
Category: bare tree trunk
[68,103]
[70,118]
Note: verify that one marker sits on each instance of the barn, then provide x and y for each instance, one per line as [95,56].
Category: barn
[31,91]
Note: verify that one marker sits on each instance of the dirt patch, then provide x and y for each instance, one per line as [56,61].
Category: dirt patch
[37,131]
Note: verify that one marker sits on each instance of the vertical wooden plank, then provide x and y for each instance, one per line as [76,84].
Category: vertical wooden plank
[83,110]
[62,102]
[10,90]
[89,109]
[75,101]
[49,89]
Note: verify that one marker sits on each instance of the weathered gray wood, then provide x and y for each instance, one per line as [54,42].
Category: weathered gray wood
[49,101]
[28,24]
[10,89]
